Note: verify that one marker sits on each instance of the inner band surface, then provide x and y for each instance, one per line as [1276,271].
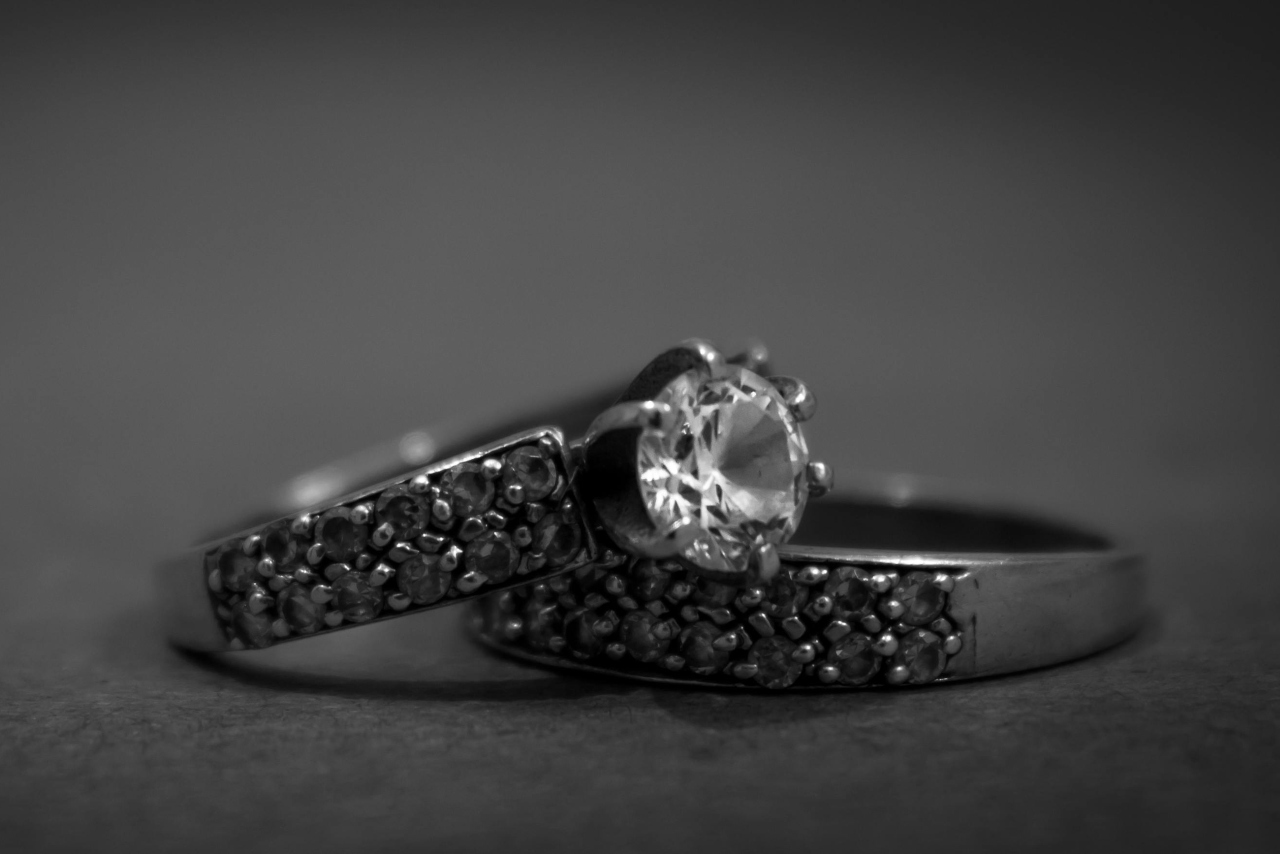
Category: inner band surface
[843,522]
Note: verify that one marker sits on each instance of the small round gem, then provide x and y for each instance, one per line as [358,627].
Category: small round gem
[783,597]
[235,568]
[557,538]
[469,490]
[279,544]
[541,624]
[640,634]
[851,599]
[697,645]
[302,614]
[404,511]
[855,659]
[649,581]
[358,600]
[532,470]
[253,630]
[920,651]
[772,657]
[579,633]
[342,539]
[921,596]
[713,594]
[493,555]
[736,462]
[422,579]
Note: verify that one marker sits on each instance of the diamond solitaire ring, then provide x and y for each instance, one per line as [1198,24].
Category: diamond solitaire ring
[701,463]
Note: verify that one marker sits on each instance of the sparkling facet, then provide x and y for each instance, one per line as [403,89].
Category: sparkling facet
[922,597]
[640,634]
[358,601]
[734,463]
[253,630]
[343,539]
[404,511]
[470,491]
[557,538]
[773,658]
[921,652]
[531,469]
[422,580]
[855,659]
[301,613]
[493,555]
[700,654]
[235,568]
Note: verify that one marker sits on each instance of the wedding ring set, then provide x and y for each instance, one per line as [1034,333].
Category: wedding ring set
[657,545]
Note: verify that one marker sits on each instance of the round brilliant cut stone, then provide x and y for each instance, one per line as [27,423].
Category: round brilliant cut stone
[698,650]
[735,463]
[253,630]
[777,669]
[851,599]
[649,581]
[235,568]
[471,491]
[358,601]
[279,544]
[529,468]
[855,659]
[557,538]
[783,597]
[342,538]
[493,555]
[405,512]
[638,633]
[299,611]
[920,651]
[579,633]
[921,596]
[541,624]
[422,580]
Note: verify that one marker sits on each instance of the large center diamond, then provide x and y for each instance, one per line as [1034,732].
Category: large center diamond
[735,463]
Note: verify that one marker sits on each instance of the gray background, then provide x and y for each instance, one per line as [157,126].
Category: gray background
[1030,248]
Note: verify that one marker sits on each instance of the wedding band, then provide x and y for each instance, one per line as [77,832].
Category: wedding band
[903,586]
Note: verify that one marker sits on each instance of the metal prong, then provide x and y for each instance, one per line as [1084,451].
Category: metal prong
[755,358]
[764,562]
[709,355]
[645,414]
[821,478]
[799,399]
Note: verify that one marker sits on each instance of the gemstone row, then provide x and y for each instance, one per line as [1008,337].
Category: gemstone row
[500,518]
[813,625]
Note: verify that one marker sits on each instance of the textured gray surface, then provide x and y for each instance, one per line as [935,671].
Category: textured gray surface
[1027,249]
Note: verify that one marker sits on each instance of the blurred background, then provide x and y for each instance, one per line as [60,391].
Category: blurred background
[1028,246]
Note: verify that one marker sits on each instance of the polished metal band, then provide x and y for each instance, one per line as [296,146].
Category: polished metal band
[903,585]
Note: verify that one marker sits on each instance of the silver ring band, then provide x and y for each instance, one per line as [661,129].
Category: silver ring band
[905,585]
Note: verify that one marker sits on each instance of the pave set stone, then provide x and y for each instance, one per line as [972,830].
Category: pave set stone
[504,518]
[812,625]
